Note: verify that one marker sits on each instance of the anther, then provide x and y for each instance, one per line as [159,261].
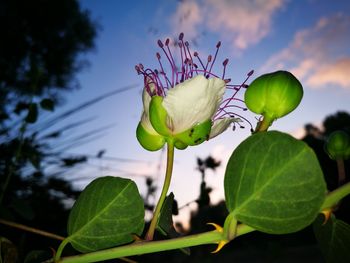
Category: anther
[209,58]
[160,44]
[158,55]
[218,44]
[250,73]
[167,42]
[181,36]
[195,54]
[225,62]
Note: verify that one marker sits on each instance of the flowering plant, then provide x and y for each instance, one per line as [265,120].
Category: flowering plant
[273,182]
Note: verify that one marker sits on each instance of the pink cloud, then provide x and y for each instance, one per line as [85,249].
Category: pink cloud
[319,55]
[336,73]
[236,21]
[241,21]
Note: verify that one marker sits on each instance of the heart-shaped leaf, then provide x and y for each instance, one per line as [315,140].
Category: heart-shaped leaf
[107,213]
[333,238]
[274,183]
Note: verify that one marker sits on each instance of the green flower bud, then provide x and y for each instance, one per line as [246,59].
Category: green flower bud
[338,145]
[149,141]
[274,95]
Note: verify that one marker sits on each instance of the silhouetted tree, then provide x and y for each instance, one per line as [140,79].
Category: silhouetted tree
[204,191]
[40,53]
[41,41]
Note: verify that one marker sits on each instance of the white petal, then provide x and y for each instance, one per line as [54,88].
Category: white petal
[193,101]
[146,98]
[220,125]
[147,124]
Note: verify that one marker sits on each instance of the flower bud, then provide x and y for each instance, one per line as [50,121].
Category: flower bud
[338,145]
[274,95]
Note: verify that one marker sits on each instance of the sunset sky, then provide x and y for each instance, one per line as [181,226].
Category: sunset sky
[310,38]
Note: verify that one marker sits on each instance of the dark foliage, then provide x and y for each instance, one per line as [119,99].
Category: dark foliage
[40,53]
[39,48]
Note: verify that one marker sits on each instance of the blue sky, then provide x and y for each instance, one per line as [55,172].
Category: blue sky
[309,38]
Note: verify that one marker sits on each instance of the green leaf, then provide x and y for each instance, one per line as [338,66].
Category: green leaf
[165,223]
[47,104]
[32,115]
[8,251]
[165,220]
[274,183]
[107,213]
[333,239]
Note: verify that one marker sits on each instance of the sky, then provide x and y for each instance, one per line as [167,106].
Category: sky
[310,38]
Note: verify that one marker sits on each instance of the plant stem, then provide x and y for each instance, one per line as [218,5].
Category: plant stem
[31,229]
[341,172]
[211,237]
[334,197]
[166,184]
[230,226]
[60,249]
[263,125]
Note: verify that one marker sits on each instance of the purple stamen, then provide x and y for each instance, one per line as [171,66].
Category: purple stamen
[172,62]
[216,53]
[226,102]
[200,61]
[224,71]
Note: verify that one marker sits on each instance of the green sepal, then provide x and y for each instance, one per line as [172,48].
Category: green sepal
[158,116]
[274,95]
[180,145]
[195,135]
[151,142]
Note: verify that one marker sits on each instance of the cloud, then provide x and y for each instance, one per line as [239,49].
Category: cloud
[240,20]
[319,56]
[187,18]
[335,73]
[236,21]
